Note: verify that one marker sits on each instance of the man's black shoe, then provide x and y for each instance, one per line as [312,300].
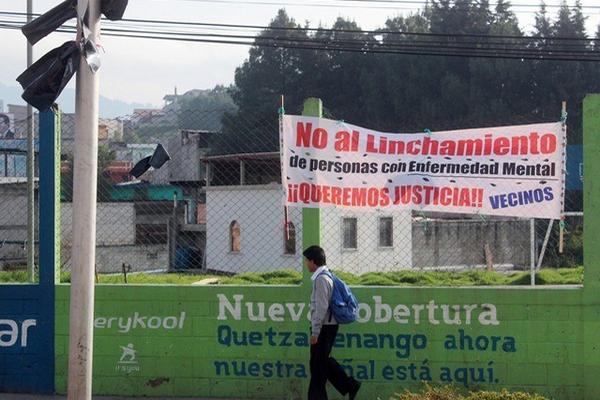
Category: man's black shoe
[352,393]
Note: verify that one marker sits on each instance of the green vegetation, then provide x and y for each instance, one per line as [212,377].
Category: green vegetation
[440,92]
[573,247]
[13,276]
[451,393]
[564,276]
[105,157]
[281,277]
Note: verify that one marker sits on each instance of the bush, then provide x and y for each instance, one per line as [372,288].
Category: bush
[572,255]
[451,393]
[547,276]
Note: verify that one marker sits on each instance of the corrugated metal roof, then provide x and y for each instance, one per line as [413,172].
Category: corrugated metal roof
[270,155]
[17,145]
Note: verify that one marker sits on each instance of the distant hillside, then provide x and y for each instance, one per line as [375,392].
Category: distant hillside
[109,108]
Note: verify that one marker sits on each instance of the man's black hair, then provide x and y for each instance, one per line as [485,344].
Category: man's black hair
[315,254]
[5,118]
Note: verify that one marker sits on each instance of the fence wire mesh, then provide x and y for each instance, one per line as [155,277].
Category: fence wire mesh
[14,179]
[217,206]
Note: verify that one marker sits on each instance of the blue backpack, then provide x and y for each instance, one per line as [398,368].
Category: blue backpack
[343,305]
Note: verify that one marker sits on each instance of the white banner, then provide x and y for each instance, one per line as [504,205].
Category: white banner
[511,171]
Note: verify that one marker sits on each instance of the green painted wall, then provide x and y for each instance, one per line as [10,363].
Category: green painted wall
[591,250]
[535,342]
[198,341]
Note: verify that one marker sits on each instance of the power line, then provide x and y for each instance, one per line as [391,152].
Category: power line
[365,51]
[480,46]
[358,31]
[291,44]
[403,2]
[491,4]
[438,45]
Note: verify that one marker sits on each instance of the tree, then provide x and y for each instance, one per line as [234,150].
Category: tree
[558,77]
[504,21]
[481,17]
[406,92]
[105,159]
[507,79]
[543,25]
[578,20]
[269,71]
[343,73]
[204,109]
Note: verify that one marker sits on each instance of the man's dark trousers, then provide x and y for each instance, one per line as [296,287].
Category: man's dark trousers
[323,367]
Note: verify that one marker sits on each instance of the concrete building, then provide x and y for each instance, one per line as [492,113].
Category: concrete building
[109,130]
[13,158]
[245,232]
[13,222]
[245,229]
[134,234]
[244,194]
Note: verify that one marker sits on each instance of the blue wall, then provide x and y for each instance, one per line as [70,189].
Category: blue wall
[27,311]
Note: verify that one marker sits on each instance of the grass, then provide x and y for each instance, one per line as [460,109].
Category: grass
[451,393]
[13,276]
[139,278]
[564,276]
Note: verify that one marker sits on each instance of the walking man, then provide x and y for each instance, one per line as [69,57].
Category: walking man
[324,329]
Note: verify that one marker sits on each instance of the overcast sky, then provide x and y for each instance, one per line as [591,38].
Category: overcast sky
[143,71]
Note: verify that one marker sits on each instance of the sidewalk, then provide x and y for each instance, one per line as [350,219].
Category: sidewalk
[8,396]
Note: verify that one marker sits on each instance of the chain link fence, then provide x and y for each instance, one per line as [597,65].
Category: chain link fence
[14,199]
[217,207]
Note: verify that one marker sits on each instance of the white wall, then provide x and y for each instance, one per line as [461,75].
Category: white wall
[109,259]
[115,223]
[13,223]
[259,210]
[368,257]
[115,240]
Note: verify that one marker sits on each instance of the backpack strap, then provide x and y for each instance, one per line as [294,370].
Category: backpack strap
[326,272]
[329,274]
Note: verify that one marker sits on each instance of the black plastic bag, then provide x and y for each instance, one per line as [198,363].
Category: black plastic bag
[113,9]
[50,21]
[141,167]
[159,157]
[45,79]
[55,17]
[156,160]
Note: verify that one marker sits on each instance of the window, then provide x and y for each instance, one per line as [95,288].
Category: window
[13,165]
[10,165]
[20,166]
[289,239]
[386,232]
[234,236]
[349,233]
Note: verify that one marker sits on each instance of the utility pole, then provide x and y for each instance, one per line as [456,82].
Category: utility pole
[84,218]
[30,168]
